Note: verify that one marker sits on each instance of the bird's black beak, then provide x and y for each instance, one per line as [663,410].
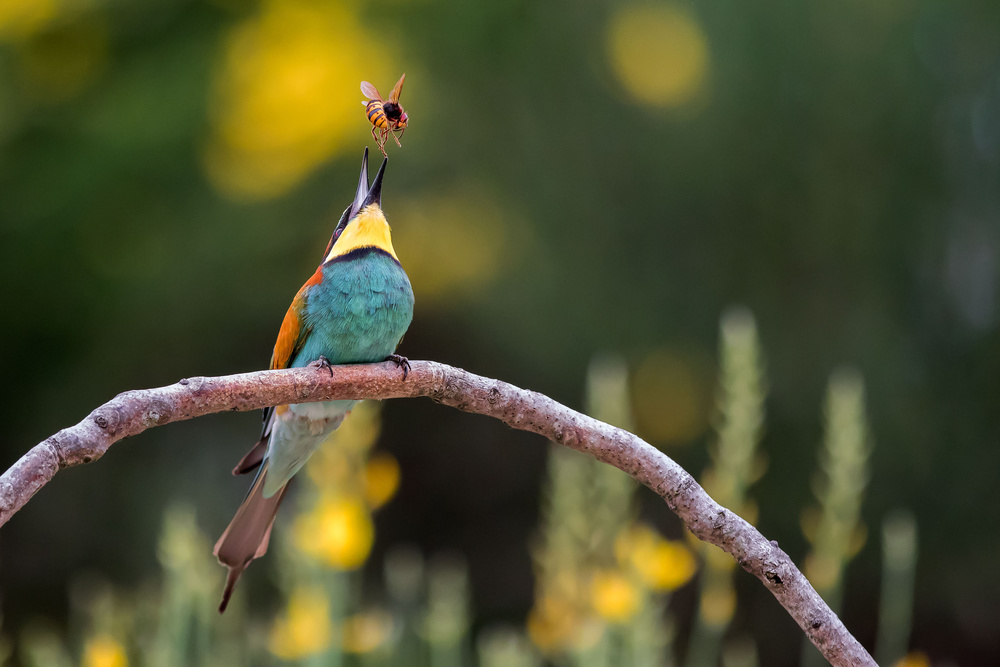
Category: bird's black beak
[362,192]
[375,192]
[360,201]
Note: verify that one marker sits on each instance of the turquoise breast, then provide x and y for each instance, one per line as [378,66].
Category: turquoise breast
[359,311]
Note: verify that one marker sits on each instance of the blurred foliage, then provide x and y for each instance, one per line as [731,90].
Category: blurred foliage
[899,568]
[736,464]
[833,529]
[575,178]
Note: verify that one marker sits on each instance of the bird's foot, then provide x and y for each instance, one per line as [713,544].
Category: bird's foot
[401,362]
[323,362]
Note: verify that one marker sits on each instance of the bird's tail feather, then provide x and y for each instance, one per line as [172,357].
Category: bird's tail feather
[253,458]
[248,533]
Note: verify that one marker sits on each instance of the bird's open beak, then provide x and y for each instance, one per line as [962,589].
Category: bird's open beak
[362,192]
[362,197]
[375,192]
[366,194]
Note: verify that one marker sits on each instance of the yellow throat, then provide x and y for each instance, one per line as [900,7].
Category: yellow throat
[368,229]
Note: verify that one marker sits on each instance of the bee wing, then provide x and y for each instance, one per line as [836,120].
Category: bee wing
[369,91]
[396,90]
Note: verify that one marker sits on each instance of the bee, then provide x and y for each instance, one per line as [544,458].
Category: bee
[386,117]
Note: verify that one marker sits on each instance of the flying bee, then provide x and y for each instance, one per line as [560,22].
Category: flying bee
[386,116]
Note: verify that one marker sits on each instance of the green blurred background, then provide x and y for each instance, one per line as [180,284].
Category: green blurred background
[576,179]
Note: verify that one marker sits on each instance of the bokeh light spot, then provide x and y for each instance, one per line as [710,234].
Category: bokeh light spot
[104,651]
[671,397]
[287,95]
[614,596]
[381,479]
[57,64]
[452,244]
[659,53]
[23,18]
[662,565]
[338,532]
[365,632]
[304,628]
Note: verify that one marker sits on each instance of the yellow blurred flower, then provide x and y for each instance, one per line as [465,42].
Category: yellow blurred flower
[662,565]
[381,479]
[456,242]
[330,467]
[338,532]
[659,53]
[287,94]
[22,18]
[361,429]
[671,392]
[717,559]
[552,623]
[914,659]
[614,596]
[59,63]
[337,463]
[823,570]
[717,605]
[304,629]
[363,633]
[104,651]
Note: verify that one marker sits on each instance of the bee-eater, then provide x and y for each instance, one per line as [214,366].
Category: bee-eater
[354,309]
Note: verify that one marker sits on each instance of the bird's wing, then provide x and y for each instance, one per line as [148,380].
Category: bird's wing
[291,337]
[293,333]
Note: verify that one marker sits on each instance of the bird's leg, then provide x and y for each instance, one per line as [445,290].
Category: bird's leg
[323,362]
[401,362]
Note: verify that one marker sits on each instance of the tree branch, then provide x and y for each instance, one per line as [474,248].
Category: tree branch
[132,412]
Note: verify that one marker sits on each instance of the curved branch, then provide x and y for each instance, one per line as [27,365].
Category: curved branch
[132,412]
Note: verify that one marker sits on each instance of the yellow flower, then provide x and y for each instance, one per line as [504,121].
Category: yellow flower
[329,467]
[914,659]
[338,532]
[20,19]
[104,651]
[662,565]
[659,53]
[717,559]
[614,596]
[451,253]
[823,570]
[552,623]
[677,378]
[336,464]
[287,95]
[365,632]
[718,605]
[304,628]
[381,479]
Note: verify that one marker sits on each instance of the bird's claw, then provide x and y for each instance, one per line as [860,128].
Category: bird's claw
[401,362]
[323,362]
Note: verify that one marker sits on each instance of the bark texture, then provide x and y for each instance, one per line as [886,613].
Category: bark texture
[132,412]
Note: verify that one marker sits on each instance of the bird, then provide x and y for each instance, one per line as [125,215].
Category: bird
[354,308]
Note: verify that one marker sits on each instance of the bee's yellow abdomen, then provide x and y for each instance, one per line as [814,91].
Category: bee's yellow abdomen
[375,114]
